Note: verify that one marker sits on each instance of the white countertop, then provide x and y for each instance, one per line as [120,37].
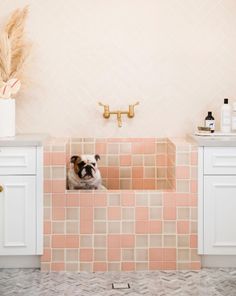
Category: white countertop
[24,140]
[214,141]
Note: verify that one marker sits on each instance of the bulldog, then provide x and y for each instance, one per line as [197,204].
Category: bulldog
[84,173]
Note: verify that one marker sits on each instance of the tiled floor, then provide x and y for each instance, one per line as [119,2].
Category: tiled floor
[31,282]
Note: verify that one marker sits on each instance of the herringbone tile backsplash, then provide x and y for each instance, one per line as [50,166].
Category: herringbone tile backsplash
[177,57]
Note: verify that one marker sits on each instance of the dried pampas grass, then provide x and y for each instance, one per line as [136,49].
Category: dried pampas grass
[14,48]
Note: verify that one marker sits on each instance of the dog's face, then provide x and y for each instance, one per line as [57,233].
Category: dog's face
[85,166]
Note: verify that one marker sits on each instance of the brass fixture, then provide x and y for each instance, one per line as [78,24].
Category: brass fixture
[107,112]
[1,188]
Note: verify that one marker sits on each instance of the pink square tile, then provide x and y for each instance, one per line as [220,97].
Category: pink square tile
[113,172]
[114,241]
[99,266]
[47,227]
[58,186]
[137,172]
[113,183]
[58,241]
[72,241]
[127,266]
[182,172]
[125,160]
[149,148]
[86,213]
[141,213]
[137,184]
[193,186]
[149,184]
[72,200]
[193,241]
[86,255]
[142,227]
[114,254]
[194,158]
[114,213]
[161,160]
[169,254]
[101,148]
[137,148]
[183,199]
[156,254]
[58,200]
[170,265]
[86,226]
[169,199]
[47,186]
[169,213]
[127,199]
[183,227]
[58,213]
[156,265]
[58,158]
[127,241]
[100,199]
[155,226]
[195,265]
[86,199]
[104,172]
[58,267]
[47,158]
[46,255]
[194,200]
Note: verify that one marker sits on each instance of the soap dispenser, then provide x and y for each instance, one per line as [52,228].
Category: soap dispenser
[226,117]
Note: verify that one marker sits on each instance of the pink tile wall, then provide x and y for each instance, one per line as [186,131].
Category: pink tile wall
[121,229]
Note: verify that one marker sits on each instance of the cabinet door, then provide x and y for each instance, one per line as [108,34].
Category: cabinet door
[17,215]
[220,215]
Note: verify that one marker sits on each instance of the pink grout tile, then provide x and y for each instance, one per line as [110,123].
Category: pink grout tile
[86,255]
[169,213]
[58,267]
[127,266]
[127,241]
[58,158]
[125,160]
[58,213]
[141,213]
[114,213]
[114,254]
[183,227]
[58,186]
[99,266]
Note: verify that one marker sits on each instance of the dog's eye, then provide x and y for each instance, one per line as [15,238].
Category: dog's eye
[93,163]
[82,163]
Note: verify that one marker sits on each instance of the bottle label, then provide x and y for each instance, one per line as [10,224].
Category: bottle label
[210,124]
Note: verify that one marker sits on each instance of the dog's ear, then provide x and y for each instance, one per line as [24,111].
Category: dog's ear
[97,157]
[74,158]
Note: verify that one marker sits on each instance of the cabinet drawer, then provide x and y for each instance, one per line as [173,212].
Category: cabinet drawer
[17,160]
[220,161]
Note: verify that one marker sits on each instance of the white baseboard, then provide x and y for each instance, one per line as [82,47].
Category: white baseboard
[20,261]
[218,261]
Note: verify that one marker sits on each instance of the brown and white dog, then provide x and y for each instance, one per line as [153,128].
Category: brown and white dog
[84,173]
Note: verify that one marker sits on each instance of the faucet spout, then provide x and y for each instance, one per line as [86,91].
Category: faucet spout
[119,119]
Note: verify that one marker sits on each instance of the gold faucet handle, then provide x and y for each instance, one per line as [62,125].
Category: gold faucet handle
[101,104]
[1,188]
[136,104]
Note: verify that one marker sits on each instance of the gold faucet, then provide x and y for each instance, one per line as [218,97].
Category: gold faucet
[107,112]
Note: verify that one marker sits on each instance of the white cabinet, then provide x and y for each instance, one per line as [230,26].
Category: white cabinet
[21,200]
[217,201]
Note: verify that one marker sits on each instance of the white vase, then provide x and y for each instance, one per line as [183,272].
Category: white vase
[7,117]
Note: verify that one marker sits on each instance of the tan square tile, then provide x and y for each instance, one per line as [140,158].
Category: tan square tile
[125,184]
[72,227]
[58,227]
[149,172]
[88,267]
[114,199]
[100,214]
[100,255]
[72,255]
[183,241]
[100,227]
[58,255]
[155,241]
[183,213]
[128,213]
[86,241]
[89,148]
[125,172]
[72,213]
[141,199]
[169,227]
[156,213]
[114,266]
[125,148]
[128,254]
[149,160]
[141,254]
[155,199]
[183,254]
[100,241]
[137,160]
[142,241]
[113,160]
[170,241]
[114,227]
[127,227]
[58,172]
